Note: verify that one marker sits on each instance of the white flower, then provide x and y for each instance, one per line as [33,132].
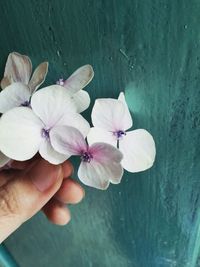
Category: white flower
[17,84]
[111,119]
[100,162]
[26,131]
[74,85]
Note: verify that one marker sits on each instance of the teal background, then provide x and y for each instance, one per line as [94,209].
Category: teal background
[150,49]
[6,259]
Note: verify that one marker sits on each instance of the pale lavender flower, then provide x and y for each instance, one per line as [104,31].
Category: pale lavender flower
[26,131]
[100,162]
[111,119]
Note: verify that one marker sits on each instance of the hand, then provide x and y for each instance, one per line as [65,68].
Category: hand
[31,186]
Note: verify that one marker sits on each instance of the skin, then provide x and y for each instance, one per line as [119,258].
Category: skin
[35,185]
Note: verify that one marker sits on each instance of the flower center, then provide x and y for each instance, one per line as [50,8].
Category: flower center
[119,134]
[45,133]
[25,104]
[86,157]
[60,82]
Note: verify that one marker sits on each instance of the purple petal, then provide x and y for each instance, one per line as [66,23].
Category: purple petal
[104,166]
[67,140]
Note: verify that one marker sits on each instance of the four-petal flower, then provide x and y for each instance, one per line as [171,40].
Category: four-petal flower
[100,162]
[111,119]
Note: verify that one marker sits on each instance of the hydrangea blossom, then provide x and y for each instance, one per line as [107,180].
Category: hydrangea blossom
[48,121]
[100,162]
[26,131]
[74,85]
[111,119]
[17,84]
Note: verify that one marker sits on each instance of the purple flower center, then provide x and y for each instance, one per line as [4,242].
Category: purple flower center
[60,82]
[45,133]
[86,157]
[25,104]
[119,134]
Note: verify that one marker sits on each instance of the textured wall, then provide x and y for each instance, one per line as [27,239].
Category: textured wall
[150,48]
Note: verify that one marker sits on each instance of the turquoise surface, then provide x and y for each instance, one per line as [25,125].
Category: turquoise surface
[6,259]
[150,49]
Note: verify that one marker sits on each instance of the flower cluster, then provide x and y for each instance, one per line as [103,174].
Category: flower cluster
[48,121]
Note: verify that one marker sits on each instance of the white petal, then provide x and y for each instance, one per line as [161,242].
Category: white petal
[5,82]
[50,103]
[48,153]
[92,174]
[105,167]
[100,135]
[121,97]
[13,96]
[79,79]
[67,140]
[20,134]
[81,100]
[138,148]
[38,76]
[110,114]
[18,68]
[75,120]
[3,159]
[128,115]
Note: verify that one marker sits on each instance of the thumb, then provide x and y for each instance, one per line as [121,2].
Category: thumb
[23,196]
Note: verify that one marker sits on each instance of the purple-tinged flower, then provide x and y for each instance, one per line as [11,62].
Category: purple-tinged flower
[111,119]
[26,131]
[17,84]
[100,162]
[74,85]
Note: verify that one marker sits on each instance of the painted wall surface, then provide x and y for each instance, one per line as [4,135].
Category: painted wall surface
[151,49]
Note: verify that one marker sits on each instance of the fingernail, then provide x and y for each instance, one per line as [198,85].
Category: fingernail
[44,175]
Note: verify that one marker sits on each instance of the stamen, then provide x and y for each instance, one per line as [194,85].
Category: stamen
[25,104]
[119,134]
[45,133]
[86,157]
[60,82]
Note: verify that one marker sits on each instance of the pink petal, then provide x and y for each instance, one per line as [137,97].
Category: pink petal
[103,168]
[67,140]
[103,152]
